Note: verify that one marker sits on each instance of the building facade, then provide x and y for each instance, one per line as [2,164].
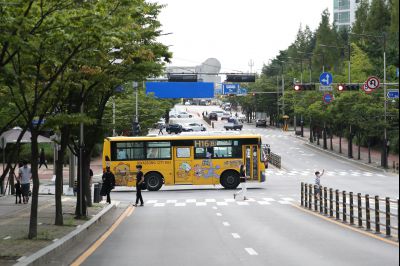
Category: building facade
[344,12]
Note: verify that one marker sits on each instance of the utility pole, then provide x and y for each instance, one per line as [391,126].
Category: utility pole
[251,65]
[113,117]
[385,142]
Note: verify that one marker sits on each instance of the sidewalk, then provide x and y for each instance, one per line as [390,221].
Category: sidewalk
[375,154]
[14,223]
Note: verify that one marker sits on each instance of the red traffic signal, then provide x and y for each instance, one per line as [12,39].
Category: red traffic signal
[304,87]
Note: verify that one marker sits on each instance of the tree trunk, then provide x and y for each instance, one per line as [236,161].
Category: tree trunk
[331,139]
[88,189]
[359,147]
[35,191]
[80,210]
[325,138]
[350,144]
[369,150]
[340,142]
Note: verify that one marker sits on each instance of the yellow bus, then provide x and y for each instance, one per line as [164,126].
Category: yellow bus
[185,160]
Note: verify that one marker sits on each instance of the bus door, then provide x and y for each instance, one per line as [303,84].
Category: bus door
[183,158]
[251,161]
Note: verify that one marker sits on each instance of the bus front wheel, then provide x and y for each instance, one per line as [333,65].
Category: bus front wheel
[230,179]
[154,181]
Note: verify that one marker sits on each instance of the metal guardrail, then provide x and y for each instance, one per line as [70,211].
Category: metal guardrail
[275,160]
[343,207]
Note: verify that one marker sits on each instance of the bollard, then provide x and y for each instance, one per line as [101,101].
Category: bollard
[351,208]
[388,229]
[337,205]
[331,202]
[377,216]
[325,201]
[310,196]
[212,124]
[316,193]
[321,202]
[359,207]
[302,194]
[367,213]
[306,195]
[344,204]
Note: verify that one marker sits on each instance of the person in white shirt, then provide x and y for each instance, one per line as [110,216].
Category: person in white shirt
[25,177]
[318,176]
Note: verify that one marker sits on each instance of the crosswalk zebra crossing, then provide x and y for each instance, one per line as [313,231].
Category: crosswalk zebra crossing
[310,173]
[220,202]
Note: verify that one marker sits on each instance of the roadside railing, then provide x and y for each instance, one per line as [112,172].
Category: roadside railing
[355,210]
[275,160]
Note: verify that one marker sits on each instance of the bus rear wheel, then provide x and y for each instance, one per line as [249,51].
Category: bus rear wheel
[154,181]
[230,179]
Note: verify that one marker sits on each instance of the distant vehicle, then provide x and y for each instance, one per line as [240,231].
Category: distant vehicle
[187,103]
[225,116]
[219,113]
[227,108]
[193,127]
[234,125]
[242,118]
[261,123]
[203,103]
[213,116]
[184,115]
[174,128]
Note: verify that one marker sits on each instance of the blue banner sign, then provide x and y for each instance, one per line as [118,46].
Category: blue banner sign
[393,94]
[230,88]
[178,90]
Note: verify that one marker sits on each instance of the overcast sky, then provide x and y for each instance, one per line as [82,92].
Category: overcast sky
[235,31]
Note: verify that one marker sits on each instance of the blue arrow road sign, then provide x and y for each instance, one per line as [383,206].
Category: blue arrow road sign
[326,79]
[393,94]
[231,88]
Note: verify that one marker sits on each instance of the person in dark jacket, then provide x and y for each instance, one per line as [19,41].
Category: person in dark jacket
[42,159]
[139,181]
[108,184]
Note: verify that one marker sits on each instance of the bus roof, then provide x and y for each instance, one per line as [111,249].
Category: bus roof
[179,137]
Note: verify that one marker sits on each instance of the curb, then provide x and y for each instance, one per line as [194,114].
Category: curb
[347,159]
[43,256]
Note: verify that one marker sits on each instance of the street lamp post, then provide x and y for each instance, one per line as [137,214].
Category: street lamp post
[383,37]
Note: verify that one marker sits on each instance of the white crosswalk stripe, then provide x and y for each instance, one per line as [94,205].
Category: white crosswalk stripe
[310,173]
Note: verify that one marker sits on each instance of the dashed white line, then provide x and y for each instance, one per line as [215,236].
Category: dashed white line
[287,199]
[226,224]
[211,200]
[264,203]
[191,201]
[201,204]
[222,203]
[171,201]
[235,235]
[159,205]
[151,201]
[251,251]
[284,202]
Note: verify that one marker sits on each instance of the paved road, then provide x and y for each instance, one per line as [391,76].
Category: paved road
[190,225]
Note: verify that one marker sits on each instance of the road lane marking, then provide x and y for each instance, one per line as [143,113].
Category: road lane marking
[211,200]
[226,224]
[130,212]
[180,204]
[229,200]
[103,238]
[159,205]
[171,201]
[151,201]
[201,203]
[347,226]
[242,203]
[264,203]
[268,199]
[219,214]
[236,236]
[283,202]
[287,199]
[251,252]
[191,201]
[222,203]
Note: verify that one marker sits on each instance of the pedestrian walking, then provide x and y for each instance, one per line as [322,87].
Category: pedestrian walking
[139,182]
[108,184]
[25,176]
[243,191]
[42,159]
[160,127]
[318,176]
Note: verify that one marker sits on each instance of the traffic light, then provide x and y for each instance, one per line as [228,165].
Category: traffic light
[304,87]
[182,78]
[349,87]
[135,129]
[241,78]
[341,87]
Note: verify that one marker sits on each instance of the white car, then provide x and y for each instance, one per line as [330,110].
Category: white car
[193,127]
[226,116]
[219,113]
[187,103]
[242,118]
[184,115]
